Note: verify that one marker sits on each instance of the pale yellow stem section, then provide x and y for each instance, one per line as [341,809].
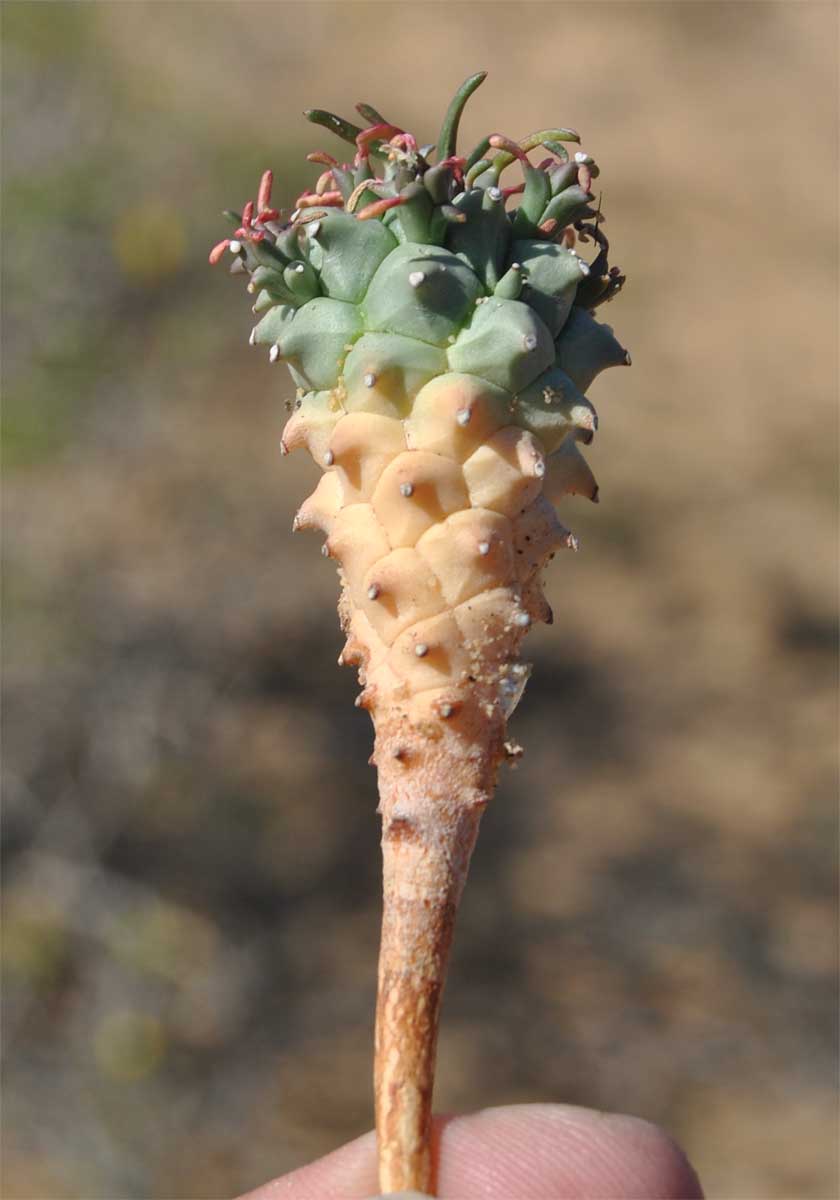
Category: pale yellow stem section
[433,788]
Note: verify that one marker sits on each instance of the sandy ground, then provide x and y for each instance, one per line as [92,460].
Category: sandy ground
[191,892]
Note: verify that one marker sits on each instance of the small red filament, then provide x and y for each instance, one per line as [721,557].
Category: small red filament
[264,194]
[378,207]
[218,250]
[376,133]
[330,199]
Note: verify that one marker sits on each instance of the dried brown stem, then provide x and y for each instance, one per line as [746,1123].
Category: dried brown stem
[434,785]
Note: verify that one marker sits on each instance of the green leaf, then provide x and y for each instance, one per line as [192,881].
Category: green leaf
[337,125]
[449,129]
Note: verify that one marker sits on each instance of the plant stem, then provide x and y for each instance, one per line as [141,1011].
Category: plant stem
[433,791]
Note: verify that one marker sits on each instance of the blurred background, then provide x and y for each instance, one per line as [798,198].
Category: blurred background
[191,846]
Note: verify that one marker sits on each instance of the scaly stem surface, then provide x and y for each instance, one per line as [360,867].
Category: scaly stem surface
[433,791]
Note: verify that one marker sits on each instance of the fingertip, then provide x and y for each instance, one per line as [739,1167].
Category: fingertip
[660,1159]
[559,1152]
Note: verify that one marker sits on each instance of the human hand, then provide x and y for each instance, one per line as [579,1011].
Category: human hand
[523,1152]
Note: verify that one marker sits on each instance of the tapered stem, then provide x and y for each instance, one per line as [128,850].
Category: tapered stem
[432,795]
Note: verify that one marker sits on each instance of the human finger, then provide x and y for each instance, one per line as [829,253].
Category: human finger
[521,1152]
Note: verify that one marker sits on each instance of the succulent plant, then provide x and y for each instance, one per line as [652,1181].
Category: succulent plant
[442,340]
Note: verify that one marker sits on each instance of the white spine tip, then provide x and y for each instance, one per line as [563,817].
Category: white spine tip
[299,268]
[582,157]
[522,620]
[235,247]
[446,710]
[373,592]
[369,379]
[421,649]
[628,360]
[406,489]
[329,458]
[462,416]
[494,193]
[516,266]
[529,341]
[325,550]
[483,548]
[539,468]
[584,267]
[252,340]
[274,354]
[416,278]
